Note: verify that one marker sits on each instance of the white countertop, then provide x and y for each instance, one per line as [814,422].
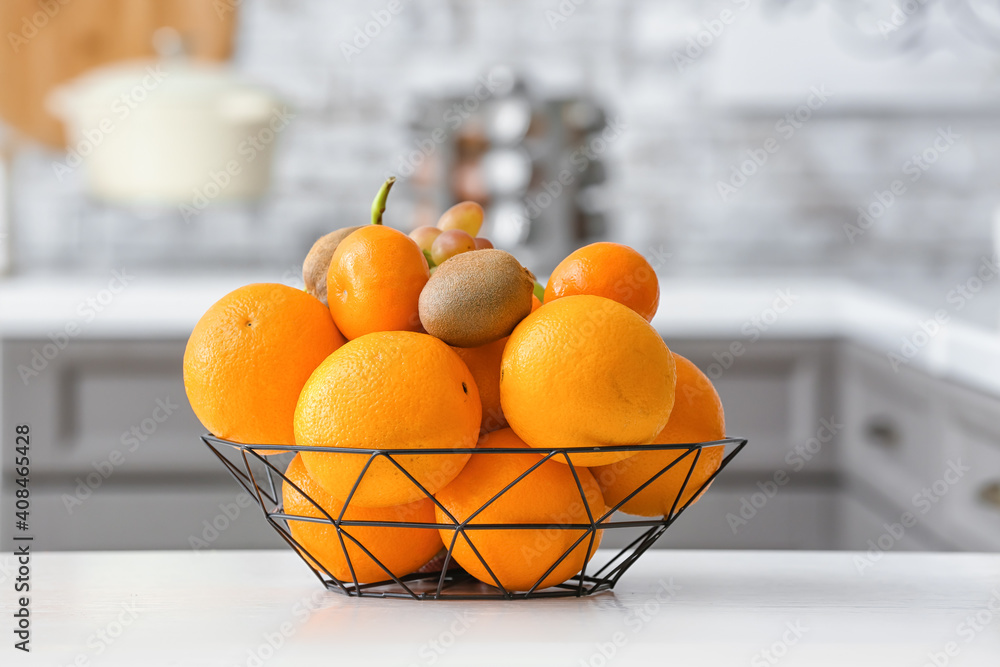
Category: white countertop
[673,607]
[730,310]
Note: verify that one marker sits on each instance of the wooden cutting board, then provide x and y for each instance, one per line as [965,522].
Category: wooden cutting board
[47,42]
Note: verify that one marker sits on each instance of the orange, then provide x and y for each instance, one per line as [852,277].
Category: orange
[535,303]
[548,494]
[248,358]
[484,364]
[374,282]
[388,390]
[401,550]
[697,417]
[585,371]
[610,270]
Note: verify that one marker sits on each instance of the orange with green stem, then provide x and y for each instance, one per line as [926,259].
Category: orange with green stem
[375,277]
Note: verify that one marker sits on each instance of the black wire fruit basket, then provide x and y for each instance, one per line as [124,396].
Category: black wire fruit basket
[260,470]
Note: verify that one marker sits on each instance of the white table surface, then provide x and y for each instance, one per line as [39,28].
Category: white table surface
[725,608]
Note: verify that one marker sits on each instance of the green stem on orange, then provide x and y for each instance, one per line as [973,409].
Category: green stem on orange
[378,206]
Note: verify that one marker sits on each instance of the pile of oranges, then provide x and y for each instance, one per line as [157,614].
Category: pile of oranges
[347,363]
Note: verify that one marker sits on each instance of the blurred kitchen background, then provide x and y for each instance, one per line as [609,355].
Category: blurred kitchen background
[744,146]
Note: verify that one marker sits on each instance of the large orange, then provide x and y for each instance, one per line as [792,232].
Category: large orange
[548,495]
[401,550]
[610,270]
[374,282]
[585,371]
[484,364]
[697,417]
[248,358]
[388,390]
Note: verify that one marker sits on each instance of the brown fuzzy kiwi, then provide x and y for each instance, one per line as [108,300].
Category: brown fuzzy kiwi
[318,261]
[476,297]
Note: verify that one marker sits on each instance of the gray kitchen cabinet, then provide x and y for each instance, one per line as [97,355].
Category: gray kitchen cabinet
[117,462]
[116,458]
[922,450]
[163,516]
[796,517]
[894,435]
[778,395]
[780,491]
[970,509]
[863,521]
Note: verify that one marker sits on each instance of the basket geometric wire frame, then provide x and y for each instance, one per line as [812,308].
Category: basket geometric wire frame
[261,477]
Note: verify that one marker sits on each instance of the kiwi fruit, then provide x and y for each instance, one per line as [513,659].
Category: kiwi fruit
[317,262]
[476,297]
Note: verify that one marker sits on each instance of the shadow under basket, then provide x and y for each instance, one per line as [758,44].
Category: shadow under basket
[262,476]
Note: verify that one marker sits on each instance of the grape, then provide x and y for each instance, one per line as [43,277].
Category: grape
[424,236]
[483,243]
[450,243]
[466,216]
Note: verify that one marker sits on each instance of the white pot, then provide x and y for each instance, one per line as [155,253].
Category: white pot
[169,132]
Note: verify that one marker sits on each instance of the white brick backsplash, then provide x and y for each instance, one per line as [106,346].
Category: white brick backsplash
[353,124]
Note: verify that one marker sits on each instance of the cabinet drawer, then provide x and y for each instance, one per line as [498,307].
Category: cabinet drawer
[150,518]
[859,526]
[775,395]
[792,519]
[893,438]
[105,403]
[972,504]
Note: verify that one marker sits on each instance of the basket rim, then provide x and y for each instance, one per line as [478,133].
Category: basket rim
[394,451]
[450,582]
